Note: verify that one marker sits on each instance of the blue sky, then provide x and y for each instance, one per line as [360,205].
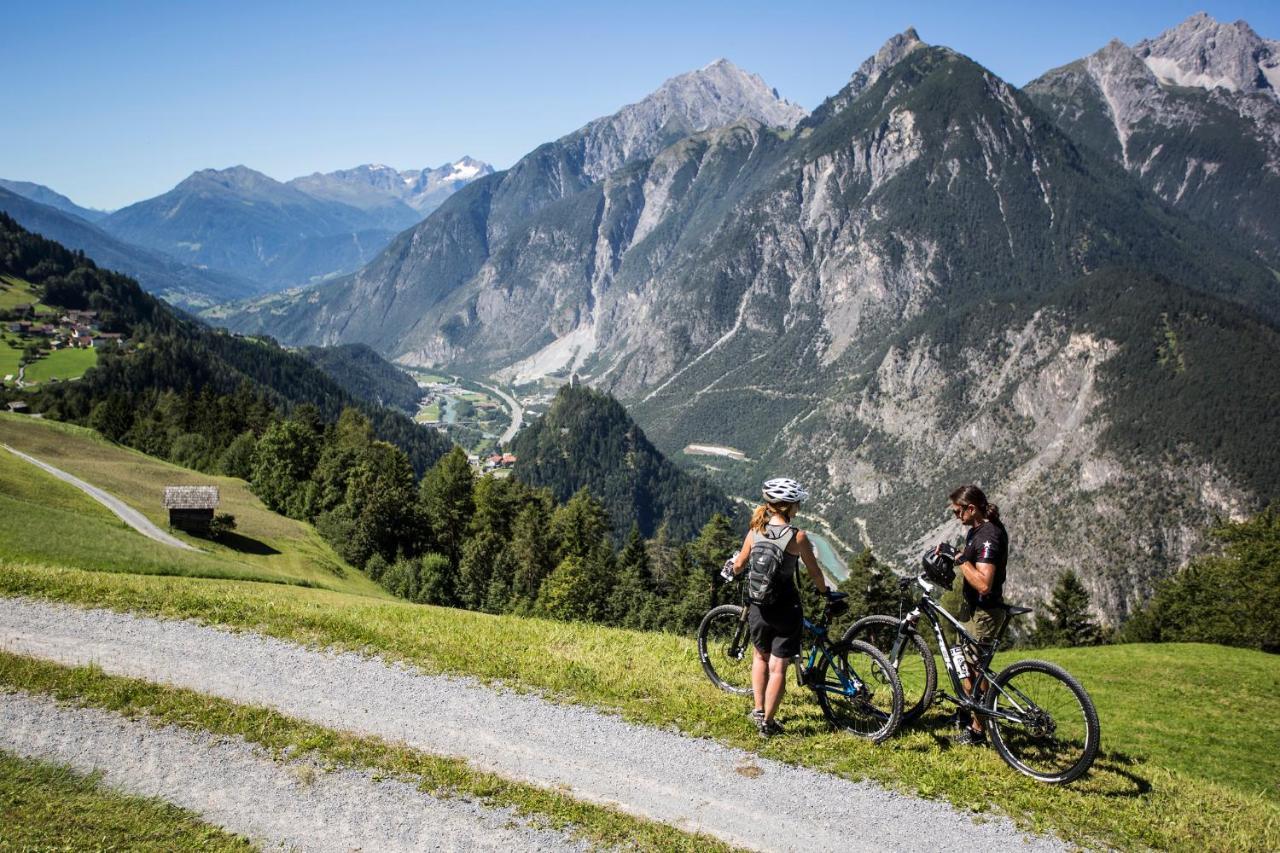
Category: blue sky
[113,103]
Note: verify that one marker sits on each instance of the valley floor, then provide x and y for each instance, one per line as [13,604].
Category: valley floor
[695,784]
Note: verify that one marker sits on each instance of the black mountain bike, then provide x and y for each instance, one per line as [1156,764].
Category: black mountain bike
[1041,721]
[854,684]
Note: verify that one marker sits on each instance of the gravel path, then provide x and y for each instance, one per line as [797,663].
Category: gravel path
[691,783]
[239,787]
[127,514]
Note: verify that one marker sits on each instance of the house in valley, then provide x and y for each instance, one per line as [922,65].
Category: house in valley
[191,507]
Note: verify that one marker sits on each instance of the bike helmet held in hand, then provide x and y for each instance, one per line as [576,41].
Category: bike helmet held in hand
[783,490]
[939,565]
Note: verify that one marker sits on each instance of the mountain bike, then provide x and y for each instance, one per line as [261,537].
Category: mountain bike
[853,682]
[1042,722]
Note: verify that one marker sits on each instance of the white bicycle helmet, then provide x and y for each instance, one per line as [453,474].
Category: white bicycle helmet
[783,490]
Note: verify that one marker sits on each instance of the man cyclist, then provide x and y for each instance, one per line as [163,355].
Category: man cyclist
[982,564]
[776,627]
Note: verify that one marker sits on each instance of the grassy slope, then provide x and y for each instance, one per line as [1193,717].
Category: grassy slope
[37,511]
[48,807]
[1143,791]
[63,365]
[1189,732]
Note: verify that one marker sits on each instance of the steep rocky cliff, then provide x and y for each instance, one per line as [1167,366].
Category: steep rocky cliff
[1194,115]
[923,283]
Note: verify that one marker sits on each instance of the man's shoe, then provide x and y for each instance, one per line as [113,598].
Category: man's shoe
[969,737]
[756,715]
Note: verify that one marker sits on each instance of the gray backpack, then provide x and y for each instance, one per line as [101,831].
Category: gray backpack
[764,565]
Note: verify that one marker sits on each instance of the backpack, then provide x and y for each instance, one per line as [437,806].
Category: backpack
[764,565]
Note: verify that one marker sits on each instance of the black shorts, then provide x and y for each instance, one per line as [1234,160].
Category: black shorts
[776,629]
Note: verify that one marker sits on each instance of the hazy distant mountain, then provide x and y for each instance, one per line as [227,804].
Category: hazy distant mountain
[278,234]
[177,283]
[453,243]
[925,282]
[1194,115]
[44,195]
[382,188]
[241,221]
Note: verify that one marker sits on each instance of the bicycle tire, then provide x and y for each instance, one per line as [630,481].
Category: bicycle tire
[1060,739]
[916,668]
[870,714]
[724,647]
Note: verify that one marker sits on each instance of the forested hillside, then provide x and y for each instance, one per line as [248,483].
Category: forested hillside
[365,375]
[587,440]
[175,388]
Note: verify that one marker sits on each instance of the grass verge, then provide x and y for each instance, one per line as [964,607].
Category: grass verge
[1135,797]
[285,736]
[50,807]
[47,520]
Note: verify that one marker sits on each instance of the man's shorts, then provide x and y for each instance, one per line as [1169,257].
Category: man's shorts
[982,622]
[776,629]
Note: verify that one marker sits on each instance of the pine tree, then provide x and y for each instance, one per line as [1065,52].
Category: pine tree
[446,498]
[872,588]
[631,604]
[579,525]
[1069,622]
[532,549]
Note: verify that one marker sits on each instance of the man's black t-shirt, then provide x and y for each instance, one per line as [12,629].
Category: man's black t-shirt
[986,543]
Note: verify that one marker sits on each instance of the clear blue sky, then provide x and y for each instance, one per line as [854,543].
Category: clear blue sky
[111,103]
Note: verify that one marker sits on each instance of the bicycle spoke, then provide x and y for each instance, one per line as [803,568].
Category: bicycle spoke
[1047,729]
[726,650]
[858,693]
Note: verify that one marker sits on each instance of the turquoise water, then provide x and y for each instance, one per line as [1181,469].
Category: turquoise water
[827,557]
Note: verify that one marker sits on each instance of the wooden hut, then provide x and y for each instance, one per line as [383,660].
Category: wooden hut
[191,507]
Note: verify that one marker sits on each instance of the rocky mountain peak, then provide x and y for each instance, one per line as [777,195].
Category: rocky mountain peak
[237,178]
[890,54]
[715,95]
[1203,53]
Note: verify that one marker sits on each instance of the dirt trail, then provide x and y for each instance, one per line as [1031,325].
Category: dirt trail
[126,513]
[690,783]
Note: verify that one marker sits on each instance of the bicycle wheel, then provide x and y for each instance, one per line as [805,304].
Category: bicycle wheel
[1051,729]
[858,690]
[915,665]
[724,647]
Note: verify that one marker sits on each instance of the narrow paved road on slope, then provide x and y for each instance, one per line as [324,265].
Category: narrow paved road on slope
[694,784]
[127,514]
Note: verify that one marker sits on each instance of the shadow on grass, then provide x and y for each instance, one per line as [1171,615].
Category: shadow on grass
[1114,777]
[246,545]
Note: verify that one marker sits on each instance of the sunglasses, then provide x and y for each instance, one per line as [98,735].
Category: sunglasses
[958,511]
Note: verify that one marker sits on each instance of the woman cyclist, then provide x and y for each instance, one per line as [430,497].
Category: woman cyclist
[982,563]
[776,627]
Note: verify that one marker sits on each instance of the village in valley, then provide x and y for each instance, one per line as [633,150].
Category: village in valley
[39,343]
[480,417]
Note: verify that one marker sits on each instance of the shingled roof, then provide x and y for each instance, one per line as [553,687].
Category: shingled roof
[190,497]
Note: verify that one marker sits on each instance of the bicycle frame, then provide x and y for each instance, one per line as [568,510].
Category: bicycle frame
[849,684]
[934,613]
[817,632]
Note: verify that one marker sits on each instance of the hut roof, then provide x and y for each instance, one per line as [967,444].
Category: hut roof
[190,497]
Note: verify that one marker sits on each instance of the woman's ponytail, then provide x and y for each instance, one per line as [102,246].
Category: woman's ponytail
[993,513]
[764,512]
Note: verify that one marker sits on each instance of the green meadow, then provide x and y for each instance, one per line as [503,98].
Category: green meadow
[1189,732]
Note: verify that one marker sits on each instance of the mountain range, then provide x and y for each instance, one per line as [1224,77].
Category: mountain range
[933,278]
[1193,115]
[181,284]
[245,231]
